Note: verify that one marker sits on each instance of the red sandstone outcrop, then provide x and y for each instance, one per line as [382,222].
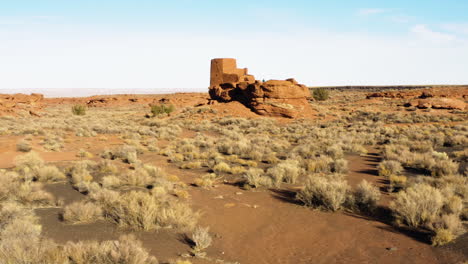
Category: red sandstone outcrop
[448,92]
[271,98]
[436,98]
[438,103]
[12,103]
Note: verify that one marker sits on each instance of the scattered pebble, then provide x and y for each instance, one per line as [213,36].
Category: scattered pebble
[219,197]
[392,248]
[238,193]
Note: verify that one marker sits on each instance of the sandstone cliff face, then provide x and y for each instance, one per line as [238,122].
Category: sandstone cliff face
[13,103]
[271,98]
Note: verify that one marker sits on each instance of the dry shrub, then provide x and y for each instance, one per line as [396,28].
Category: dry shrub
[366,196]
[28,164]
[256,177]
[396,182]
[329,193]
[201,238]
[442,236]
[222,167]
[444,167]
[143,211]
[237,170]
[319,164]
[23,146]
[21,242]
[127,250]
[111,181]
[417,206]
[19,235]
[191,165]
[13,188]
[50,174]
[339,166]
[285,171]
[207,181]
[390,167]
[81,213]
[30,193]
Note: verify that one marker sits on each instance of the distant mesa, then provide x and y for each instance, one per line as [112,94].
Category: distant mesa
[271,98]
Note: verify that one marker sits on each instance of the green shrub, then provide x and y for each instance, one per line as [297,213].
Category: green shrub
[79,110]
[162,109]
[320,94]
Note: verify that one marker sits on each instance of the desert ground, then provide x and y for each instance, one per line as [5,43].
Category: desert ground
[369,175]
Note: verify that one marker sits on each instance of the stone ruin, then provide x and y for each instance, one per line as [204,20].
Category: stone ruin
[271,98]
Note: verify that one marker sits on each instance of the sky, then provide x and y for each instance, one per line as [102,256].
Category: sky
[166,46]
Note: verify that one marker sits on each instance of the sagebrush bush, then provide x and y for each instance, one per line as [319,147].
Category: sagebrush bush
[127,250]
[389,167]
[366,196]
[256,177]
[79,109]
[222,167]
[207,181]
[329,193]
[442,236]
[82,212]
[417,206]
[143,211]
[23,146]
[285,171]
[201,238]
[49,174]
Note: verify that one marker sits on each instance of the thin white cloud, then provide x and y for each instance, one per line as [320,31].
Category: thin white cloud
[370,11]
[424,32]
[26,20]
[401,19]
[458,28]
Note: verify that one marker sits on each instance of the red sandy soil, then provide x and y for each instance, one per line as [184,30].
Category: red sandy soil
[259,226]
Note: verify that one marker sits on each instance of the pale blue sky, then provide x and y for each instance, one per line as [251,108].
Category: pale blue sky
[168,44]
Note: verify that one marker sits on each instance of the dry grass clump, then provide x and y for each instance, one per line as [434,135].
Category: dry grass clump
[23,146]
[285,171]
[127,250]
[81,174]
[256,178]
[366,197]
[329,193]
[81,213]
[390,167]
[14,188]
[31,167]
[207,181]
[143,211]
[79,110]
[191,165]
[425,207]
[126,153]
[418,205]
[325,164]
[49,174]
[222,167]
[19,235]
[201,239]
